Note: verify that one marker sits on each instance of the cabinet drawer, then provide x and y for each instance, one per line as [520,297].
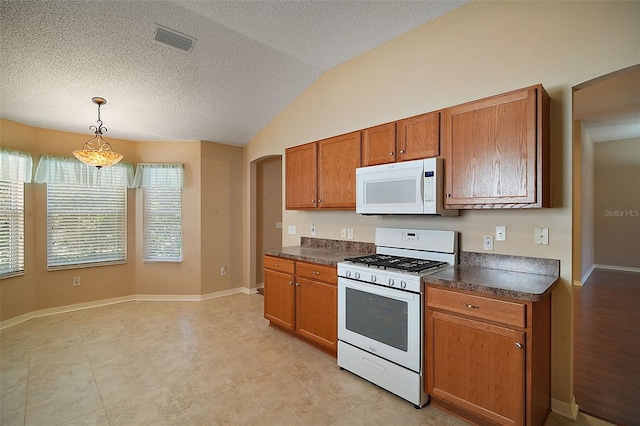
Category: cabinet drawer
[279,264]
[510,313]
[313,271]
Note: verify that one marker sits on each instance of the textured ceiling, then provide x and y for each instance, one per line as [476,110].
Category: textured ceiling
[251,59]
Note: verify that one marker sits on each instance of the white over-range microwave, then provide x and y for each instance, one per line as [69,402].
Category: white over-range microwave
[407,187]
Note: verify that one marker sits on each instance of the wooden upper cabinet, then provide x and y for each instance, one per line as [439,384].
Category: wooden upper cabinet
[497,151]
[338,158]
[301,177]
[419,137]
[379,144]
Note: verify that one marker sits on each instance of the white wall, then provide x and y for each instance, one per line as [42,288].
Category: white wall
[481,49]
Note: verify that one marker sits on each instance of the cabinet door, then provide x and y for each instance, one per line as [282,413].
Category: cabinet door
[419,137]
[494,152]
[279,293]
[338,159]
[477,366]
[317,312]
[379,145]
[301,177]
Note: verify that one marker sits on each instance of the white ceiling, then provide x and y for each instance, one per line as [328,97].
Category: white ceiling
[251,59]
[609,107]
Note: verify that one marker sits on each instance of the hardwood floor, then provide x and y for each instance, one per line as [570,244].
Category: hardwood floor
[607,346]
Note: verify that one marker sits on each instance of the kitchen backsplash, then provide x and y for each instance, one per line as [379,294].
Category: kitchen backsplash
[338,245]
[532,265]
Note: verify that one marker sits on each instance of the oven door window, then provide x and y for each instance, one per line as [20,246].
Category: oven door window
[379,318]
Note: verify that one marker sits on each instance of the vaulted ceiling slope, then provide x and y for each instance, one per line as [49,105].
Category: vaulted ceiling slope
[249,61]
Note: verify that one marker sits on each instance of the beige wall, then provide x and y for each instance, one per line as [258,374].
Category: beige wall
[617,203]
[211,202]
[481,49]
[41,289]
[221,217]
[269,208]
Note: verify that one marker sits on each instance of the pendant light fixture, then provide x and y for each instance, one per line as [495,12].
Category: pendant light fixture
[97,151]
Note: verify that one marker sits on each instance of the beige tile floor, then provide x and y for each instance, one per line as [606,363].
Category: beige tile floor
[186,363]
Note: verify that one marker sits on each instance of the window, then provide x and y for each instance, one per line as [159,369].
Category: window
[15,170]
[86,212]
[162,211]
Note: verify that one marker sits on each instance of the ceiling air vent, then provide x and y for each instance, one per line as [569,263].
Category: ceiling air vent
[174,38]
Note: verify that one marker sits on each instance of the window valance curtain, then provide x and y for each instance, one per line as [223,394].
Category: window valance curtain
[15,166]
[159,175]
[69,171]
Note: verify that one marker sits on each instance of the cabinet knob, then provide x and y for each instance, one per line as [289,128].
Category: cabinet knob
[315,273]
[319,201]
[290,282]
[518,345]
[278,264]
[297,284]
[448,195]
[391,153]
[402,151]
[313,201]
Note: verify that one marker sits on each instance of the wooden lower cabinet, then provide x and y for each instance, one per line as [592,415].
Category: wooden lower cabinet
[488,370]
[304,302]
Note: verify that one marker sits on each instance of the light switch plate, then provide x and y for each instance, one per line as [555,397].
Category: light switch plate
[292,230]
[541,236]
[501,233]
[487,242]
[350,233]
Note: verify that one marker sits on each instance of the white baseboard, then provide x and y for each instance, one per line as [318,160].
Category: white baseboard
[617,268]
[223,293]
[139,297]
[62,309]
[569,410]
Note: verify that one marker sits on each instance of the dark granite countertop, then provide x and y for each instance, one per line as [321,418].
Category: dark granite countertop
[516,277]
[494,282]
[321,251]
[322,256]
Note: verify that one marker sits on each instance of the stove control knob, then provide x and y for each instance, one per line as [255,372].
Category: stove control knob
[373,278]
[347,273]
[403,284]
[357,275]
[391,282]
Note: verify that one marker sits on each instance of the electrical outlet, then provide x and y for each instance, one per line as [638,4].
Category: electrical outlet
[76,281]
[343,233]
[223,270]
[292,230]
[541,236]
[313,230]
[487,242]
[501,233]
[350,233]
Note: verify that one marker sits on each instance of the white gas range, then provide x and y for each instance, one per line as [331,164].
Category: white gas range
[381,306]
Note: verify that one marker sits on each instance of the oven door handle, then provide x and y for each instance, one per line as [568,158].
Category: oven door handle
[376,289]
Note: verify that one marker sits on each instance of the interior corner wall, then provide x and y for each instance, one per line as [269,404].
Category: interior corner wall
[221,221]
[481,49]
[269,208]
[587,224]
[617,203]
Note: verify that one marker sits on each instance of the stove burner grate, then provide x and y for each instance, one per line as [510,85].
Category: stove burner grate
[384,261]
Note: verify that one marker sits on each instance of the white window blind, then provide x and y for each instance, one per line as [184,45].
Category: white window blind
[162,218]
[86,212]
[11,228]
[15,170]
[86,226]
